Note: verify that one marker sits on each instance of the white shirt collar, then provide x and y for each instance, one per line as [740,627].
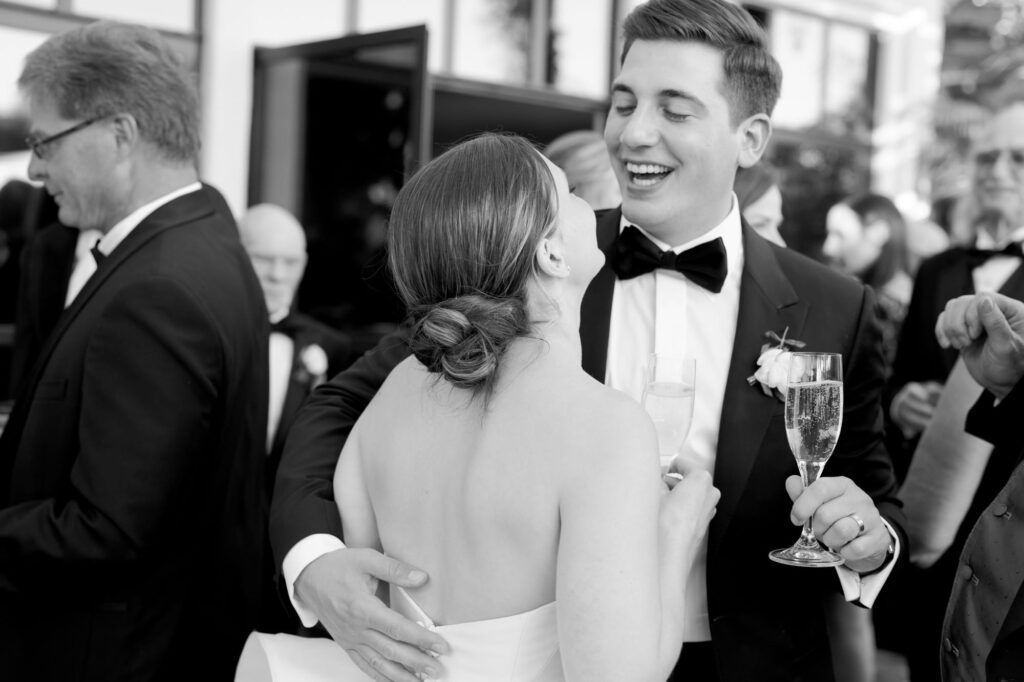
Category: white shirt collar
[985,241]
[124,227]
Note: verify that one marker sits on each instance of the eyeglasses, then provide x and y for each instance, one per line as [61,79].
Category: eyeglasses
[988,158]
[40,147]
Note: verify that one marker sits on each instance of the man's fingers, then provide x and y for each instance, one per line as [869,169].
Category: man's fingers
[393,626]
[992,319]
[381,670]
[393,571]
[404,655]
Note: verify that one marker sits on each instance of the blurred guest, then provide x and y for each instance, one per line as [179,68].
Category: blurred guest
[583,156]
[983,628]
[757,190]
[131,466]
[922,366]
[303,352]
[24,209]
[866,238]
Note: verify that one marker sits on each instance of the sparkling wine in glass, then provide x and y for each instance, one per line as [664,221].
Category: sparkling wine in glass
[668,398]
[814,416]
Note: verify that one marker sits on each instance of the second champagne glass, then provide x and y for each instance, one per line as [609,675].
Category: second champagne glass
[814,416]
[669,389]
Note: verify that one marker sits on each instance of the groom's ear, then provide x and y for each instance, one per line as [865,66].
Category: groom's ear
[551,257]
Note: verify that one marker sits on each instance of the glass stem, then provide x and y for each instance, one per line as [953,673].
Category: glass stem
[809,473]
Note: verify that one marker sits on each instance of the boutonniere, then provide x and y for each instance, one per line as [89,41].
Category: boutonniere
[312,365]
[773,364]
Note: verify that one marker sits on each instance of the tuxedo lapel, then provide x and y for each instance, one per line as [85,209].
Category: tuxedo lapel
[768,302]
[185,209]
[296,391]
[1014,286]
[596,309]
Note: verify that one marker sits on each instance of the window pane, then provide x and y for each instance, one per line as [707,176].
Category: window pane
[492,40]
[169,15]
[797,41]
[14,45]
[47,4]
[579,60]
[847,90]
[276,23]
[380,15]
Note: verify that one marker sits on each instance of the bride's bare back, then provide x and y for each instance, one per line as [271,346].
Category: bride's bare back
[471,493]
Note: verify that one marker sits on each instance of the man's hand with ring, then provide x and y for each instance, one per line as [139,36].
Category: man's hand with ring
[844,518]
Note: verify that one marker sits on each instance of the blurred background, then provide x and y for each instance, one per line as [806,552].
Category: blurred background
[325,106]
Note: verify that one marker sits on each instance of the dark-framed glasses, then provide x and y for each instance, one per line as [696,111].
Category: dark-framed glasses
[989,157]
[40,147]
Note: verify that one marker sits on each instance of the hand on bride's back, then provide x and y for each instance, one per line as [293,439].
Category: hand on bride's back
[687,509]
[340,586]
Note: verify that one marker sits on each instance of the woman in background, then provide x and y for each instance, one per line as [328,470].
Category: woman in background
[867,238]
[757,191]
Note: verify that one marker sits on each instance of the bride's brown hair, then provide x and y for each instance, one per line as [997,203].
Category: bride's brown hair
[462,240]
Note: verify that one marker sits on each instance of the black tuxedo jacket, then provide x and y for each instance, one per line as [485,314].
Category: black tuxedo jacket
[940,279]
[46,265]
[766,619]
[305,331]
[131,467]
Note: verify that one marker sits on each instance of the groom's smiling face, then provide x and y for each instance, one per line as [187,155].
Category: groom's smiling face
[671,140]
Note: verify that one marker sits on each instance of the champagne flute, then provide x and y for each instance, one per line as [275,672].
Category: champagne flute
[668,398]
[814,416]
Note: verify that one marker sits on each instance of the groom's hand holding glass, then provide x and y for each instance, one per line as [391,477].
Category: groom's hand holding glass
[340,587]
[838,509]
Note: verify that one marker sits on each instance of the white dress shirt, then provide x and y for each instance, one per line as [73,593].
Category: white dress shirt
[281,353]
[665,312]
[992,274]
[85,264]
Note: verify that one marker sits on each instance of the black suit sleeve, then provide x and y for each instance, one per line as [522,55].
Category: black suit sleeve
[303,501]
[997,424]
[860,453]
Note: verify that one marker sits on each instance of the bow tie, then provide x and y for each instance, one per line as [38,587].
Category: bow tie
[633,255]
[97,255]
[286,325]
[978,256]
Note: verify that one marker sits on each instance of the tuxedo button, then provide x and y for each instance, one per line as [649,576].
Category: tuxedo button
[999,509]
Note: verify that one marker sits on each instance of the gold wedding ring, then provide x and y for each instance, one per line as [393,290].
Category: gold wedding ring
[860,523]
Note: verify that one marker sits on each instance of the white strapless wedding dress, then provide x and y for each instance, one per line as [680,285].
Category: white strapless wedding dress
[518,648]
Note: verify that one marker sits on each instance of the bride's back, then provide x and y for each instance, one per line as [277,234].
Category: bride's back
[469,491]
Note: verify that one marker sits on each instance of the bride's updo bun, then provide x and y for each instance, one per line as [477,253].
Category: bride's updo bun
[461,245]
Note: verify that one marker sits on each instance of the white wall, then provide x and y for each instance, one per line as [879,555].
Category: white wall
[232,29]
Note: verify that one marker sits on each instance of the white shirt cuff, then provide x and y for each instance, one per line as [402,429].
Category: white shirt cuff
[864,590]
[306,551]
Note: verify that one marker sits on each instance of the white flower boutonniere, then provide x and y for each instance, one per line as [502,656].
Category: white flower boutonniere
[313,359]
[773,364]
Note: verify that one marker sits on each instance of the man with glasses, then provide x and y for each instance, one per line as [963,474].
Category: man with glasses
[131,527]
[991,264]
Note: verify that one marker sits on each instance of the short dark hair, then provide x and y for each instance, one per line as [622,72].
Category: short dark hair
[462,240]
[753,78]
[106,68]
[893,257]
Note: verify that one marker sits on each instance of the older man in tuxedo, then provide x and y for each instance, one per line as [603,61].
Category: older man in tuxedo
[691,104]
[131,467]
[302,353]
